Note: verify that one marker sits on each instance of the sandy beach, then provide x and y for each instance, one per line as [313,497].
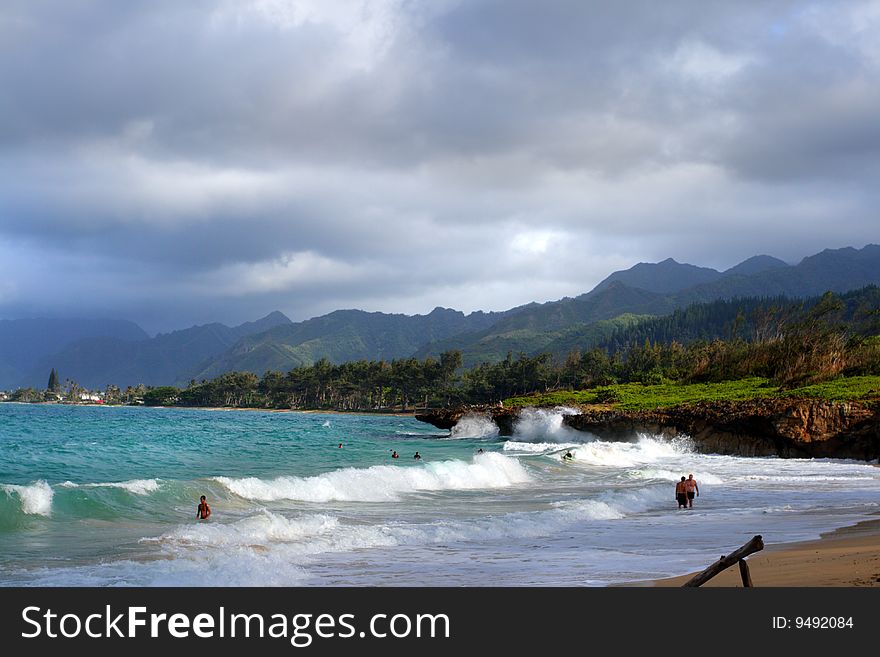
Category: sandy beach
[849,556]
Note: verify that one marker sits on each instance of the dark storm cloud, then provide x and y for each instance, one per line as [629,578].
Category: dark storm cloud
[177,162]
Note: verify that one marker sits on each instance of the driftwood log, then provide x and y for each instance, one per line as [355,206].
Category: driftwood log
[745,574]
[737,556]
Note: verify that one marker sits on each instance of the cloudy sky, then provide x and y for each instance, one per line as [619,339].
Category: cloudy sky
[180,162]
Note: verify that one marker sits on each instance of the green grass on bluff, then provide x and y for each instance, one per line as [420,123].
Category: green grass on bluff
[637,396]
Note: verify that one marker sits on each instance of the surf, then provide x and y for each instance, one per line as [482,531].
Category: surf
[33,499]
[384,483]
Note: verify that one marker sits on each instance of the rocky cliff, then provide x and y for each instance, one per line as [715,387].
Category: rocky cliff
[446,418]
[764,427]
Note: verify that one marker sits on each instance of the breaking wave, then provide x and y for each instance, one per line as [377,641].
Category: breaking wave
[545,425]
[257,530]
[319,533]
[384,482]
[474,426]
[626,455]
[135,486]
[34,499]
[536,448]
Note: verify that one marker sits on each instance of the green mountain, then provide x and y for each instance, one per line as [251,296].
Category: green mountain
[745,319]
[622,301]
[560,326]
[837,270]
[343,335]
[756,265]
[533,328]
[664,277]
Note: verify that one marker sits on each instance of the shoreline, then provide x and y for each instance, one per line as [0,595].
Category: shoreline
[227,408]
[292,410]
[843,557]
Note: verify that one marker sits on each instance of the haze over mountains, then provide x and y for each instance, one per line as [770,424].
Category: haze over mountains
[96,353]
[119,353]
[25,342]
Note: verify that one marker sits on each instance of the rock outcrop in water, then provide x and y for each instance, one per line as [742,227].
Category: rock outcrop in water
[447,418]
[761,427]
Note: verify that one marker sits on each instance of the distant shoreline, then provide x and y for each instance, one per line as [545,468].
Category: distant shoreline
[293,410]
[225,408]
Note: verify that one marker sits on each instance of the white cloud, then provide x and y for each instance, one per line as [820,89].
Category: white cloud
[291,272]
[396,156]
[701,62]
[363,30]
[852,26]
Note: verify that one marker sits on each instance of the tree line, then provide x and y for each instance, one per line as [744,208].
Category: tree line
[790,343]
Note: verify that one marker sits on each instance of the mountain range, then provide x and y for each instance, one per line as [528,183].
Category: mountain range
[25,342]
[96,352]
[118,353]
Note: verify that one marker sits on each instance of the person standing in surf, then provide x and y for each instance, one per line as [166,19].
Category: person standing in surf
[204,511]
[681,494]
[690,486]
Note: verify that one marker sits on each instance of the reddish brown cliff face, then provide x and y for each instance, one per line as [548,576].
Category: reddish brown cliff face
[763,427]
[812,422]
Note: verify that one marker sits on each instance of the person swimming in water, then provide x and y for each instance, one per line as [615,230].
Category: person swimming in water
[340,445]
[204,511]
[417,456]
[394,454]
[568,456]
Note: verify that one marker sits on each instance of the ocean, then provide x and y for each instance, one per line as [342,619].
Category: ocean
[107,496]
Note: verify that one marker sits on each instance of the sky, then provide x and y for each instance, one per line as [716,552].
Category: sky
[175,163]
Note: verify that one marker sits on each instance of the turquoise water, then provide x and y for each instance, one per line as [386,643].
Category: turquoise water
[107,496]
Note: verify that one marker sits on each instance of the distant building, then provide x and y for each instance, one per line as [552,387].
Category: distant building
[91,398]
[3,395]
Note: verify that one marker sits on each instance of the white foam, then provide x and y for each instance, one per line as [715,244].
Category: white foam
[708,478]
[640,500]
[420,434]
[627,455]
[620,504]
[315,534]
[788,508]
[270,549]
[262,530]
[206,568]
[536,448]
[135,486]
[474,426]
[543,425]
[590,510]
[384,482]
[517,525]
[669,475]
[36,498]
[803,479]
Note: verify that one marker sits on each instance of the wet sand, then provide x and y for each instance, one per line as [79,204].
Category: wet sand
[849,556]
